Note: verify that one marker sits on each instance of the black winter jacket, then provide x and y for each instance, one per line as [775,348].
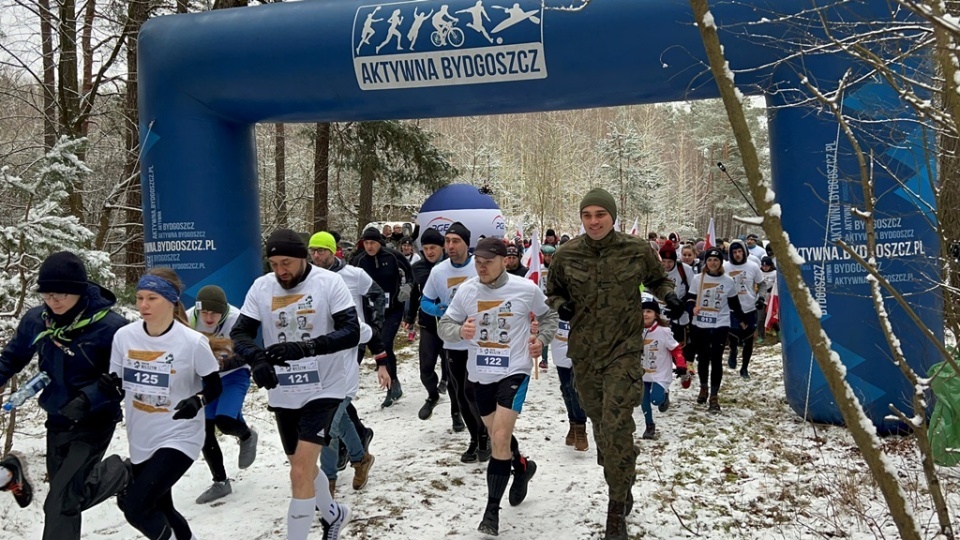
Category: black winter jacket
[74,364]
[389,268]
[421,271]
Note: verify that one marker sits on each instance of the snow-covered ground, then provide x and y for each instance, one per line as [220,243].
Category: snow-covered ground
[753,471]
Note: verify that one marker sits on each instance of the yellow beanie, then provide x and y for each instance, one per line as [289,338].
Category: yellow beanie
[323,240]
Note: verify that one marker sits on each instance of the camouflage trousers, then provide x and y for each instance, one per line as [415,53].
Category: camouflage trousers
[609,396]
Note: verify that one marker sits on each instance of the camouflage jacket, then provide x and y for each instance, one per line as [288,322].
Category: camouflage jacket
[603,279]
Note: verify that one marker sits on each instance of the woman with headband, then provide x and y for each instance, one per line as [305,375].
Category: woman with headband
[169,374]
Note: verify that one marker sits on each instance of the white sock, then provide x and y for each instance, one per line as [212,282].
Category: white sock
[5,476]
[299,518]
[323,499]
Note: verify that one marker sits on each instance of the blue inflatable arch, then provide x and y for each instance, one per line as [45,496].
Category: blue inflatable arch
[206,79]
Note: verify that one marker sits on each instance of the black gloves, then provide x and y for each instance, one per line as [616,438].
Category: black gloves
[264,374]
[278,353]
[680,371]
[567,310]
[674,306]
[761,304]
[188,408]
[111,386]
[76,408]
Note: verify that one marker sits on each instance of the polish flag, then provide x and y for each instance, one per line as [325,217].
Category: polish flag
[636,227]
[711,239]
[535,258]
[773,306]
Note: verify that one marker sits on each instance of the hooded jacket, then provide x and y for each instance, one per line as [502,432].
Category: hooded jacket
[421,271]
[75,361]
[390,269]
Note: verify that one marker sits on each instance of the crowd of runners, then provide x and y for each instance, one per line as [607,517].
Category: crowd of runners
[622,316]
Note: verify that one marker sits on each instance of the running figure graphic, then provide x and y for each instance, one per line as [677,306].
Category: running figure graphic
[479,14]
[368,30]
[418,20]
[443,25]
[395,21]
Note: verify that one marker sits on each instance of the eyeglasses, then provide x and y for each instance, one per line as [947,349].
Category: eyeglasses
[59,297]
[314,251]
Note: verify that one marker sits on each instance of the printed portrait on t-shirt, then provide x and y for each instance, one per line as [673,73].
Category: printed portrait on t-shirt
[281,338]
[504,338]
[305,337]
[301,322]
[505,308]
[502,323]
[485,320]
[483,334]
[282,320]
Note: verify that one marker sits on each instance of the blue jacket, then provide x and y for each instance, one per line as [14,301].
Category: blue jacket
[70,374]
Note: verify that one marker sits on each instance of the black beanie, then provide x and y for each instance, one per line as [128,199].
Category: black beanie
[286,243]
[460,230]
[431,236]
[62,272]
[550,232]
[371,233]
[212,298]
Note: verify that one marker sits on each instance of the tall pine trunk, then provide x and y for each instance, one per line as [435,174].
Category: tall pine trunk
[137,13]
[280,178]
[321,178]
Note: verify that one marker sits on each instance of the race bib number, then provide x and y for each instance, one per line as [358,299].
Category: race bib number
[147,378]
[300,377]
[707,319]
[493,361]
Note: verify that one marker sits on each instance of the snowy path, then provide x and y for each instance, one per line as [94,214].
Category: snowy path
[754,471]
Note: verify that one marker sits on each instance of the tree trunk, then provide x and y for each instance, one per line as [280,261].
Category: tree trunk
[280,178]
[321,178]
[137,13]
[183,6]
[49,76]
[69,93]
[87,50]
[365,211]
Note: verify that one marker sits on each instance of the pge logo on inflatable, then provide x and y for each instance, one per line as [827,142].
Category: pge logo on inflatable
[418,44]
[441,224]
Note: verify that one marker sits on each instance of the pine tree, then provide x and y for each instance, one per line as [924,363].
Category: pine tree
[34,224]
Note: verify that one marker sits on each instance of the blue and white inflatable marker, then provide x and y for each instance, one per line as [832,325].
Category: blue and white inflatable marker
[478,212]
[206,80]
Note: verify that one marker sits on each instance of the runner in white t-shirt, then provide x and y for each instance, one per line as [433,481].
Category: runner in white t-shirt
[681,274]
[214,317]
[748,277]
[660,352]
[441,288]
[499,369]
[168,373]
[303,371]
[711,323]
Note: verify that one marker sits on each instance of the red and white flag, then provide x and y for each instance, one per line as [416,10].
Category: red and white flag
[773,306]
[636,227]
[534,271]
[711,239]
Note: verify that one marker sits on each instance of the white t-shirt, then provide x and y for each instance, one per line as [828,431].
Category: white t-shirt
[658,342]
[769,278]
[758,252]
[221,330]
[157,373]
[501,346]
[359,283]
[443,283]
[682,289]
[559,346]
[413,258]
[747,276]
[303,312]
[714,303]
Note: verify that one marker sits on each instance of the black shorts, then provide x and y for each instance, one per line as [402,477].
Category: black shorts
[509,392]
[309,423]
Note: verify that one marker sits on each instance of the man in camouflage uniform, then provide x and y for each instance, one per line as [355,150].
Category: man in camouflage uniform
[594,282]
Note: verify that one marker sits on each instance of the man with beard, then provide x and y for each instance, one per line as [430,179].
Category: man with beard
[306,380]
[513,262]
